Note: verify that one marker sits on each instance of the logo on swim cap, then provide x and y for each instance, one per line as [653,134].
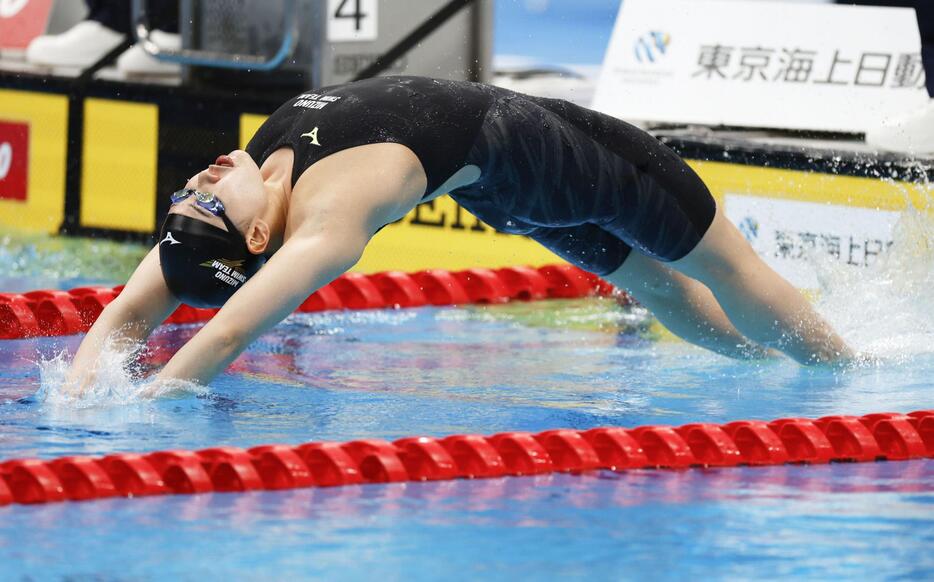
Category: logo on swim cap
[232,263]
[227,271]
[170,239]
[194,271]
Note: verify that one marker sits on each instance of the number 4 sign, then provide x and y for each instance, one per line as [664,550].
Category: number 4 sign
[352,20]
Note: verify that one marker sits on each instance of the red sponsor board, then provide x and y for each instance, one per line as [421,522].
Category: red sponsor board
[14,160]
[21,21]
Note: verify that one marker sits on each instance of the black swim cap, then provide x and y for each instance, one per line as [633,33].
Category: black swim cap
[204,265]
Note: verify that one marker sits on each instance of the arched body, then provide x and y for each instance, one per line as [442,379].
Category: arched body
[331,167]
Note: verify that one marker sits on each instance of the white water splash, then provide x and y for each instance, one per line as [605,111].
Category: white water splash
[887,310]
[115,382]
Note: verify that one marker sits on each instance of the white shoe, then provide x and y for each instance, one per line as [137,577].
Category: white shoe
[136,61]
[80,46]
[912,133]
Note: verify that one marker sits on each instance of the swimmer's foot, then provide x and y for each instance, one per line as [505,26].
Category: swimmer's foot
[756,352]
[867,360]
[853,361]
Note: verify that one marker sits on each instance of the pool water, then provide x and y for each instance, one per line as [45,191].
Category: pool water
[432,371]
[857,521]
[524,366]
[37,261]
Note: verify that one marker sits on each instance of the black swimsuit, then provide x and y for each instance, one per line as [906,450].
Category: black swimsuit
[587,186]
[438,120]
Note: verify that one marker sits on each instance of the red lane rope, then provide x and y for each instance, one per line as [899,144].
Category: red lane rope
[53,313]
[882,436]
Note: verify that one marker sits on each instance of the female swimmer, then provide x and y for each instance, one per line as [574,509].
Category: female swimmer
[328,169]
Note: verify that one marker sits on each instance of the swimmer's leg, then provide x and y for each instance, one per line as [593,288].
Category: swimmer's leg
[683,305]
[759,302]
[640,190]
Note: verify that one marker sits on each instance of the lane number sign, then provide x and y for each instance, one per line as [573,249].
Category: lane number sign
[352,20]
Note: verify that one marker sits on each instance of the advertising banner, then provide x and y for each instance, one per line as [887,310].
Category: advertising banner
[33,152]
[14,160]
[819,67]
[793,236]
[21,21]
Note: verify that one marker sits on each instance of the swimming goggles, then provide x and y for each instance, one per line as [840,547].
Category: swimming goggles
[205,200]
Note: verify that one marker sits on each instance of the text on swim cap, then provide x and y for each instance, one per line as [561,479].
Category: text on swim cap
[228,275]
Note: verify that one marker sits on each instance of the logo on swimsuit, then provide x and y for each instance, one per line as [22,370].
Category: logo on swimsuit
[313,134]
[170,239]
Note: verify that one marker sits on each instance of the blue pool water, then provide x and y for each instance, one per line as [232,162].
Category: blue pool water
[524,366]
[434,372]
[389,374]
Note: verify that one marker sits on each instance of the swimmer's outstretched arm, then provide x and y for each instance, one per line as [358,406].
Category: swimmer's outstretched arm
[349,196]
[299,268]
[144,303]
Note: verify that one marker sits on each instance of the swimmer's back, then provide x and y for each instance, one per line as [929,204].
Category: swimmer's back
[586,185]
[437,119]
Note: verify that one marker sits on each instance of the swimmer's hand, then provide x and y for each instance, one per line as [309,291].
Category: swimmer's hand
[125,323]
[77,389]
[159,388]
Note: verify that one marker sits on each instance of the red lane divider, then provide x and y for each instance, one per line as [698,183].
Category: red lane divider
[52,313]
[884,436]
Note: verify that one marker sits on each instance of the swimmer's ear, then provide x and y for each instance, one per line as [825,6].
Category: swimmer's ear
[257,237]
